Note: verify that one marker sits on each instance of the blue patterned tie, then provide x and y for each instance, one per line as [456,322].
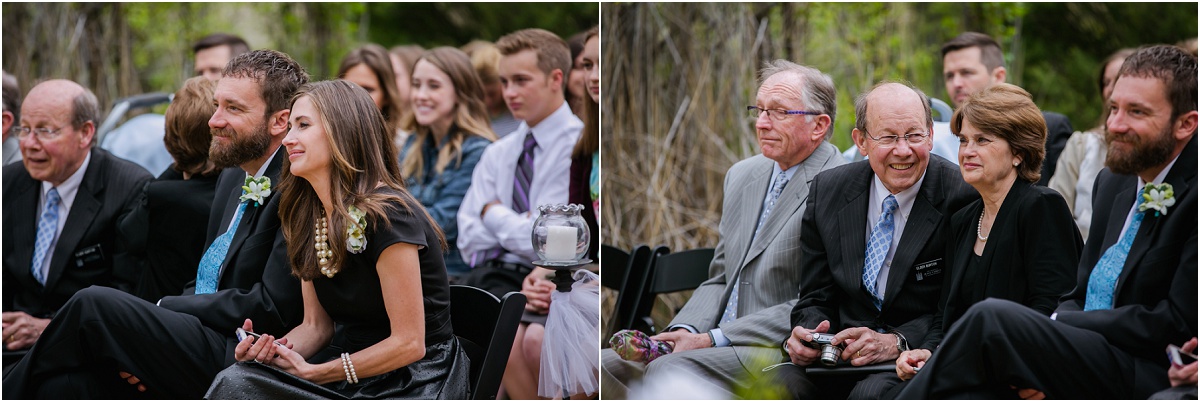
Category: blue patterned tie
[210,264]
[1103,281]
[877,249]
[781,180]
[46,228]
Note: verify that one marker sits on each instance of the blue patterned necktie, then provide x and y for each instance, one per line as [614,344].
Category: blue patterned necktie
[47,227]
[781,180]
[1103,281]
[210,263]
[877,249]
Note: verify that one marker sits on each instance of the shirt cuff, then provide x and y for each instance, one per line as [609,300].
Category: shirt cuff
[684,326]
[719,338]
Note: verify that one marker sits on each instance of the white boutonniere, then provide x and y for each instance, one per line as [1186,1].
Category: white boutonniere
[356,238]
[1157,197]
[256,190]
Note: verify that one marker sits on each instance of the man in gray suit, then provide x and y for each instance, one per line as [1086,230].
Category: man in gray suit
[729,328]
[873,240]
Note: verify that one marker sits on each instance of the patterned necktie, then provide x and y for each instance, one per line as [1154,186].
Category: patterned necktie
[523,177]
[210,263]
[47,227]
[877,249]
[1103,281]
[781,180]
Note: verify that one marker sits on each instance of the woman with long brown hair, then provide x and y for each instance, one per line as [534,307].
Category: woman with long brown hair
[450,130]
[370,67]
[369,258]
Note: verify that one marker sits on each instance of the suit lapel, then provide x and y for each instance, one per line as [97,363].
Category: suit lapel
[922,223]
[852,221]
[83,211]
[794,195]
[250,215]
[753,191]
[1148,233]
[29,193]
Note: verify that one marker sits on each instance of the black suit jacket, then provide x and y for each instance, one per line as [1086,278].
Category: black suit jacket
[1155,301]
[1030,257]
[255,281]
[87,252]
[834,244]
[167,230]
[1058,133]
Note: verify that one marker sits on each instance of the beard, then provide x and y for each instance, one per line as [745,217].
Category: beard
[243,147]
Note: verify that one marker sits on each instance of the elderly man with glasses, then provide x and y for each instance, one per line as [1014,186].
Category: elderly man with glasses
[61,208]
[728,331]
[872,248]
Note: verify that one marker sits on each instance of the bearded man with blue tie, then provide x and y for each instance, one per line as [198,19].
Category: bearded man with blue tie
[1136,289]
[105,344]
[873,240]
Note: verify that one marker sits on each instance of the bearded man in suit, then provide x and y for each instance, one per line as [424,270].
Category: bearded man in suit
[105,344]
[873,240]
[727,330]
[1136,289]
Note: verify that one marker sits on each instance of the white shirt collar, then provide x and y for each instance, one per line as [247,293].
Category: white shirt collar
[69,187]
[1161,175]
[550,125]
[263,169]
[904,199]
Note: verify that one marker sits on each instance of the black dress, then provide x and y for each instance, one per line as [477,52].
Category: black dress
[353,298]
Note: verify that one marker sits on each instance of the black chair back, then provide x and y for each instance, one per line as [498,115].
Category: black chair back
[485,327]
[684,270]
[632,283]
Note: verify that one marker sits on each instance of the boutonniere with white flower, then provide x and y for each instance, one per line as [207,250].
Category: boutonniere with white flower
[256,190]
[356,238]
[1157,197]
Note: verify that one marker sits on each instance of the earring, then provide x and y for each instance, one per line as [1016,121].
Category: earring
[1017,163]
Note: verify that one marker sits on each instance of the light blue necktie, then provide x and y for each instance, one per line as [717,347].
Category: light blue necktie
[46,228]
[776,189]
[210,264]
[1103,281]
[877,249]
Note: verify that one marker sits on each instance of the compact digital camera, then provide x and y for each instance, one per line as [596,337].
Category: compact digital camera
[829,352]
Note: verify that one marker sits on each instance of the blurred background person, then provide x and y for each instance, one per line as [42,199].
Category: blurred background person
[12,115]
[403,58]
[576,85]
[370,67]
[485,57]
[1017,242]
[214,51]
[1083,157]
[167,227]
[450,130]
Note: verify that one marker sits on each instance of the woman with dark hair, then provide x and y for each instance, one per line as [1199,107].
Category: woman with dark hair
[450,130]
[370,260]
[577,77]
[1018,241]
[371,68]
[168,225]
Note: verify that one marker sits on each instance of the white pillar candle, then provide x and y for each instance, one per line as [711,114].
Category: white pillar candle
[560,243]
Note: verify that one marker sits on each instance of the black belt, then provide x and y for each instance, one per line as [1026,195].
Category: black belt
[509,266]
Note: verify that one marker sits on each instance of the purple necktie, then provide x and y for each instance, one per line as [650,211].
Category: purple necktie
[523,177]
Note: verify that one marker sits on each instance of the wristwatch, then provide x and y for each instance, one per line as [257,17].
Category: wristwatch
[901,342]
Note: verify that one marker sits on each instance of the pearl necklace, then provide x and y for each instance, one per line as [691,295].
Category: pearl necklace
[322,245]
[979,228]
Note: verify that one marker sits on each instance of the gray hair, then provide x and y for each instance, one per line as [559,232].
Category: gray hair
[816,91]
[85,108]
[12,96]
[860,104]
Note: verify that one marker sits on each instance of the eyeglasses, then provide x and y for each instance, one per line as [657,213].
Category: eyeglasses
[777,114]
[888,141]
[42,133]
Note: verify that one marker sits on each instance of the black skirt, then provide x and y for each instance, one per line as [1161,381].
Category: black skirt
[442,374]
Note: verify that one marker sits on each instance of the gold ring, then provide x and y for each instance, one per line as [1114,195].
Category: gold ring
[11,338]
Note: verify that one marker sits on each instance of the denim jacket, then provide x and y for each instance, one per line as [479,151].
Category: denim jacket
[442,194]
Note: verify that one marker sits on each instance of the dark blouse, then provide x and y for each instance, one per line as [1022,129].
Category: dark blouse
[354,296]
[580,193]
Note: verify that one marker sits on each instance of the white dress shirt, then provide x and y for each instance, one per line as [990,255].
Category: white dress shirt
[904,200]
[66,192]
[493,181]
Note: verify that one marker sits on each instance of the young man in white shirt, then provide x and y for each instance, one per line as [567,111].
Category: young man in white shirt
[521,171]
